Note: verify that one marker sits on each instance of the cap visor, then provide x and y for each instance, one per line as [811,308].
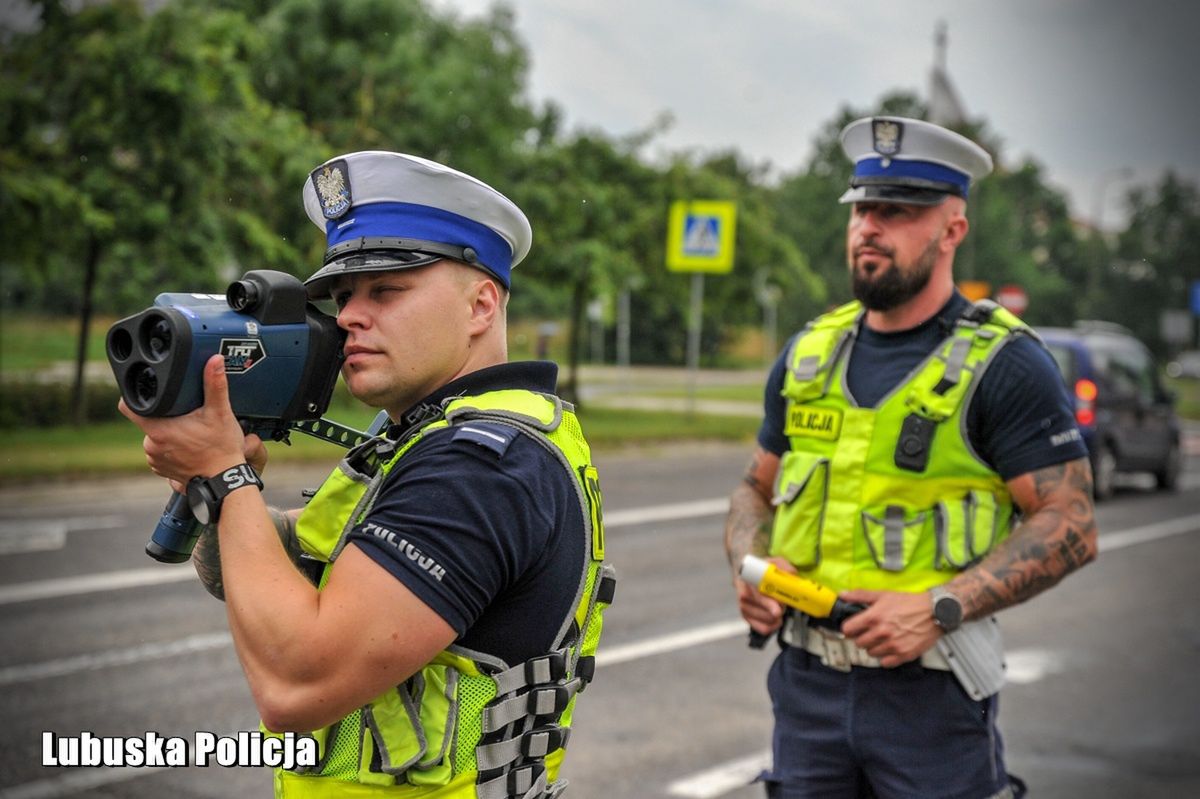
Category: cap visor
[320,284]
[902,195]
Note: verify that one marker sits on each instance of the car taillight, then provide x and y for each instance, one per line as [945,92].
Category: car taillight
[1085,398]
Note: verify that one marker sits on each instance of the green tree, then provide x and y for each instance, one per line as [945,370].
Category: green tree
[590,202]
[1023,235]
[395,75]
[1156,261]
[136,156]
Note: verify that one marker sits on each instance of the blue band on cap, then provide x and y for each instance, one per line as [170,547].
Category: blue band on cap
[923,170]
[408,220]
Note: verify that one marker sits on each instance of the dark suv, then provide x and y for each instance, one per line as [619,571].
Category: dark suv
[1125,415]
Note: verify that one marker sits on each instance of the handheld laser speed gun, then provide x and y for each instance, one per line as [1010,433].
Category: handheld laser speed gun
[801,593]
[282,357]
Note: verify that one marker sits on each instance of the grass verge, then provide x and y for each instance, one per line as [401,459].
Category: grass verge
[115,448]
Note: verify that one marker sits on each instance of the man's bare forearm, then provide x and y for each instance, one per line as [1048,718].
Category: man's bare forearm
[1055,540]
[206,557]
[748,526]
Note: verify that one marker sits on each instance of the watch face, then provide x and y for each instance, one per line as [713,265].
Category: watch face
[947,612]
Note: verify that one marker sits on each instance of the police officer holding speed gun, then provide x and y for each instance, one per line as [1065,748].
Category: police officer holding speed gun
[429,617]
[918,459]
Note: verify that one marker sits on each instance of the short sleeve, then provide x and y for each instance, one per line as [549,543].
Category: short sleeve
[1021,418]
[456,522]
[770,433]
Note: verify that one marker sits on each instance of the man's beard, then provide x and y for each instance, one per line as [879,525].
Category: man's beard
[895,286]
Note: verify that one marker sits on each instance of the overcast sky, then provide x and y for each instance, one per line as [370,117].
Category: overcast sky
[1103,93]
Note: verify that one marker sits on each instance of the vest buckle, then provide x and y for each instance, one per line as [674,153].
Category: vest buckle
[546,669]
[521,779]
[543,740]
[548,701]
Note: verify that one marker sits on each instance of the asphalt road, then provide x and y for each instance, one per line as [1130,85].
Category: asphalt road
[1103,699]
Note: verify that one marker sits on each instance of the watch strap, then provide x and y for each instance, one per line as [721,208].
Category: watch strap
[211,491]
[232,479]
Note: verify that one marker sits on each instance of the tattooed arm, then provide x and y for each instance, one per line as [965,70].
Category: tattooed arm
[748,526]
[1056,537]
[748,531]
[206,557]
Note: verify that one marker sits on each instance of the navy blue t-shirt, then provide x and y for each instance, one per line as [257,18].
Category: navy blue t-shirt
[483,524]
[1019,419]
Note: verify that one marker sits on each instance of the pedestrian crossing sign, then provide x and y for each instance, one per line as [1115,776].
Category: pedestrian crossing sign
[700,236]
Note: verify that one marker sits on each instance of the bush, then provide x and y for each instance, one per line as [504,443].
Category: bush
[34,403]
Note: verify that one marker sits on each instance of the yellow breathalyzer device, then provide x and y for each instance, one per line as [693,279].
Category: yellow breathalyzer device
[801,593]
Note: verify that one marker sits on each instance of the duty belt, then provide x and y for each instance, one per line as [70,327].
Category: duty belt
[837,651]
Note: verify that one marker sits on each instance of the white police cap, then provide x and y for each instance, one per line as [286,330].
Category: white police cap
[383,210]
[910,161]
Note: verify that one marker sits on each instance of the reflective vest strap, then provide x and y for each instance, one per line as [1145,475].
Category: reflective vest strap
[977,334]
[810,363]
[816,349]
[531,781]
[937,390]
[549,701]
[543,670]
[537,743]
[893,524]
[955,361]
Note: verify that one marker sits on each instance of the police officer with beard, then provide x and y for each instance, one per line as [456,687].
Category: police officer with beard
[919,455]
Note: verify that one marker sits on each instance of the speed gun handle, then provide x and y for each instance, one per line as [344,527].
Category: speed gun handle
[176,533]
[175,536]
[807,596]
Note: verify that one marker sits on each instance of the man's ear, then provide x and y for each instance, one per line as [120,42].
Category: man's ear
[956,229]
[486,305]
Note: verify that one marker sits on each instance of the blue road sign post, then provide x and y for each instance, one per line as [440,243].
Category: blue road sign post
[700,238]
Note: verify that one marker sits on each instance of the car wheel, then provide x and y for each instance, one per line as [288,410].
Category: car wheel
[1167,476]
[1104,471]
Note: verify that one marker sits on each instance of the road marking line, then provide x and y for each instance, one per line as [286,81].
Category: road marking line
[197,643]
[78,781]
[722,779]
[667,513]
[109,581]
[43,535]
[1150,532]
[610,656]
[670,642]
[1025,666]
[27,672]
[32,537]
[133,578]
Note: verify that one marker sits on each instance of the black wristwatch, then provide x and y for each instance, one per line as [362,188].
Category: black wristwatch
[947,609]
[206,494]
